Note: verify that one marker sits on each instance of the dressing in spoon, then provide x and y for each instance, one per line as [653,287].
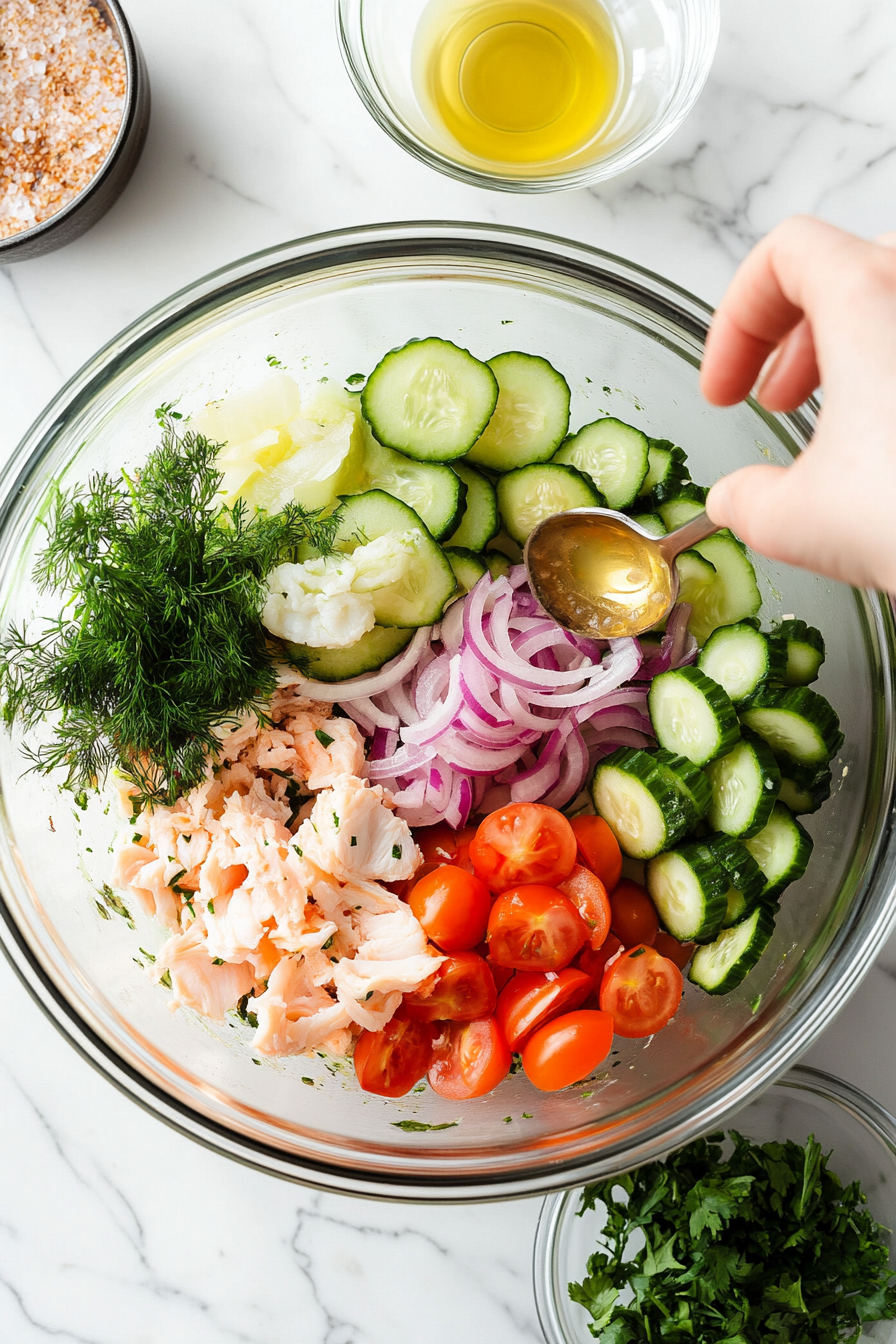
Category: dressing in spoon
[601,575]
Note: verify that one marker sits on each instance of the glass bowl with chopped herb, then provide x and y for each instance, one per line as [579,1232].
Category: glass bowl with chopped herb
[778,1228]
[323,311]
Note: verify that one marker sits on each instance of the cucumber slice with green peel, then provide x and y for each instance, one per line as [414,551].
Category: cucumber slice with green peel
[691,715]
[667,471]
[722,965]
[689,779]
[687,885]
[468,568]
[478,521]
[741,658]
[696,577]
[684,505]
[651,522]
[743,874]
[733,595]
[431,489]
[795,721]
[531,417]
[782,850]
[530,494]
[805,652]
[420,597]
[367,654]
[639,803]
[804,788]
[497,563]
[802,802]
[429,399]
[745,783]
[613,455]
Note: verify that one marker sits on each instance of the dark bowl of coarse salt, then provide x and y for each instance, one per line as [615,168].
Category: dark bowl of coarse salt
[74,112]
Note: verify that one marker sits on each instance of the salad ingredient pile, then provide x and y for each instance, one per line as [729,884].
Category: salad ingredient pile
[757,1247]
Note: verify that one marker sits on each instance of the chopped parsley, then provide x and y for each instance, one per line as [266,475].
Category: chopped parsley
[211,907]
[217,961]
[354,840]
[243,1012]
[148,955]
[165,978]
[763,1247]
[396,851]
[116,905]
[324,739]
[273,361]
[309,1082]
[418,1127]
[336,820]
[329,943]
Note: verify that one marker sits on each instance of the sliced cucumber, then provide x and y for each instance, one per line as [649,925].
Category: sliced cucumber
[667,471]
[798,722]
[431,489]
[740,658]
[691,715]
[365,655]
[805,652]
[733,594]
[420,597]
[696,577]
[429,399]
[687,885]
[530,494]
[803,787]
[745,783]
[479,517]
[745,878]
[689,779]
[651,522]
[782,849]
[613,455]
[497,563]
[681,507]
[638,802]
[720,966]
[531,417]
[468,567]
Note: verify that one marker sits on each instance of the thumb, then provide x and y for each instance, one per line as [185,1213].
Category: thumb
[755,502]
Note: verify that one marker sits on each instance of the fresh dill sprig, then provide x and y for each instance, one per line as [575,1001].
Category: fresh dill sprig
[160,639]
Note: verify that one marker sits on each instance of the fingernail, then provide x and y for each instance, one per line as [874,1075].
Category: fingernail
[766,372]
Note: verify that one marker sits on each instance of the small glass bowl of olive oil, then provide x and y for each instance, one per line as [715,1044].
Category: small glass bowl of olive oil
[529,95]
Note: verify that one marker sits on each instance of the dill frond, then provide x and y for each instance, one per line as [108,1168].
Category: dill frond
[160,639]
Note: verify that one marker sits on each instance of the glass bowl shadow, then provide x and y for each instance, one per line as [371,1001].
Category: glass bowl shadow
[629,344]
[664,51]
[859,1134]
[116,170]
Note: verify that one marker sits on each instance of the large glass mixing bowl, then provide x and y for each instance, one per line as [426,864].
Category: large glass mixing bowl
[629,344]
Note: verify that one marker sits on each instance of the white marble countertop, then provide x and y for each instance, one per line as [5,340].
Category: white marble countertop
[113,1229]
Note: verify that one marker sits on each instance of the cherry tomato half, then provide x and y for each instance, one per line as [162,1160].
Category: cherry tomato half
[391,1061]
[634,918]
[567,1049]
[641,991]
[469,1059]
[453,907]
[670,947]
[593,963]
[589,896]
[598,849]
[464,989]
[441,844]
[523,843]
[535,928]
[532,999]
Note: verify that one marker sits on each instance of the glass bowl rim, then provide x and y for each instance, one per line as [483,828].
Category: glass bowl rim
[362,73]
[813,1003]
[559,1207]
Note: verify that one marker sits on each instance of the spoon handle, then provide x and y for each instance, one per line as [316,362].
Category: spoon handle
[698,529]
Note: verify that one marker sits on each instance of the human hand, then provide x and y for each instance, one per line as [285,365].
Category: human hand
[811,306]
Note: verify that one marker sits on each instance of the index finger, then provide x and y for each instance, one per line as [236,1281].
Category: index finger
[777,284]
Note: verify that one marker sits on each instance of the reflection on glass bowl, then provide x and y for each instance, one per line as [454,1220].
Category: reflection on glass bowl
[859,1135]
[629,344]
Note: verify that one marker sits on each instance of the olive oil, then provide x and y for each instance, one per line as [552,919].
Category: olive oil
[519,82]
[601,576]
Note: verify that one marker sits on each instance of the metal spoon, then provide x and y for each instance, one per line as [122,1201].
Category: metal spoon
[599,574]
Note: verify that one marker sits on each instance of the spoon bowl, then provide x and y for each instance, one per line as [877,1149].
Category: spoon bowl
[599,574]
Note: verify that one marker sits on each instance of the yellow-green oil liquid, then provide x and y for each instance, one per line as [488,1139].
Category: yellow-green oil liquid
[518,82]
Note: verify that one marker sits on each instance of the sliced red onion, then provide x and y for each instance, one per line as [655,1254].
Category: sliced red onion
[576,765]
[435,723]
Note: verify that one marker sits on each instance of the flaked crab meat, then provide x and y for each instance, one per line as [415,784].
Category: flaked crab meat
[301,921]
